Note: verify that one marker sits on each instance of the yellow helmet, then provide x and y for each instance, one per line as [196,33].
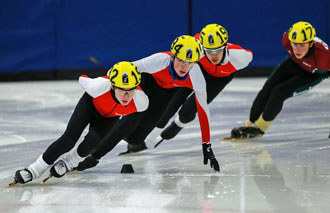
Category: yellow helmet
[186,48]
[124,75]
[213,36]
[301,32]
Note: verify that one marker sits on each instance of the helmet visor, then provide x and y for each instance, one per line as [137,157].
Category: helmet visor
[216,51]
[123,92]
[184,63]
[300,46]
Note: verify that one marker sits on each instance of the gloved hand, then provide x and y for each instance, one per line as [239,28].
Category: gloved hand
[208,155]
[89,162]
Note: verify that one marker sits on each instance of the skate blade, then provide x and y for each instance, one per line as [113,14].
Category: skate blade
[239,139]
[129,153]
[11,184]
[125,153]
[47,178]
[233,139]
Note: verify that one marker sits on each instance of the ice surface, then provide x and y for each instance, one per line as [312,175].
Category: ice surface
[286,170]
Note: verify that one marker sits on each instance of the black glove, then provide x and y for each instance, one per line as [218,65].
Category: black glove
[89,162]
[208,155]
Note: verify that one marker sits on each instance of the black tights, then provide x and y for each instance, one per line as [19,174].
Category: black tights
[84,114]
[287,80]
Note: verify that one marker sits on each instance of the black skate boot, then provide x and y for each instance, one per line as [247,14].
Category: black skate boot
[246,132]
[32,172]
[67,164]
[171,131]
[134,148]
[59,169]
[23,176]
[88,162]
[236,132]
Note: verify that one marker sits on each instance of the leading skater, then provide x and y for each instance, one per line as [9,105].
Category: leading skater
[219,64]
[306,66]
[104,101]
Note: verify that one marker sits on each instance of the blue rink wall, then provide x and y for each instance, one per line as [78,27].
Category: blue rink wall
[58,39]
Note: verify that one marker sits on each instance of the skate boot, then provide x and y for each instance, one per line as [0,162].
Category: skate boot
[236,132]
[171,131]
[61,167]
[32,172]
[88,163]
[23,176]
[246,132]
[134,148]
[70,161]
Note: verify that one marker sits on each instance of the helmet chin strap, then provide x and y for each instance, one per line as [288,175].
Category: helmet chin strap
[174,73]
[112,91]
[223,55]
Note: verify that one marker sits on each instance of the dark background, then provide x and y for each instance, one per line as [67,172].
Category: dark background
[55,39]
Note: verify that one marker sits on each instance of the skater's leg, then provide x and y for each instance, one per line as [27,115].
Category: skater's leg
[98,128]
[301,82]
[119,131]
[59,147]
[294,86]
[81,117]
[149,120]
[286,70]
[279,75]
[78,121]
[179,97]
[188,111]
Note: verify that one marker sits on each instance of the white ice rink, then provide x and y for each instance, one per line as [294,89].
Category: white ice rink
[286,170]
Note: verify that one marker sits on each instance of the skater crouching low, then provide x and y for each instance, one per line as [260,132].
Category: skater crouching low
[307,65]
[104,101]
